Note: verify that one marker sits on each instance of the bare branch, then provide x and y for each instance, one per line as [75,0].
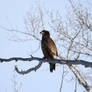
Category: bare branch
[29,70]
[61,85]
[80,78]
[75,90]
[54,61]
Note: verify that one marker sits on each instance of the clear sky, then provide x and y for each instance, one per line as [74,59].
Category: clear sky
[12,14]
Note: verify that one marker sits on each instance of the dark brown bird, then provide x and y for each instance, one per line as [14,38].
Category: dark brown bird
[49,48]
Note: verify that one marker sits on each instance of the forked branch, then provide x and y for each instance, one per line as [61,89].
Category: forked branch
[54,61]
[41,60]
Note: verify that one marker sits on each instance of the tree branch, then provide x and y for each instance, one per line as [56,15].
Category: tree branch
[41,60]
[29,70]
[54,61]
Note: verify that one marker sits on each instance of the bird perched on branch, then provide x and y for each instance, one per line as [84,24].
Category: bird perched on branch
[49,48]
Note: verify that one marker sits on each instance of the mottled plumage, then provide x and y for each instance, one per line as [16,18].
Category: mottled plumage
[48,48]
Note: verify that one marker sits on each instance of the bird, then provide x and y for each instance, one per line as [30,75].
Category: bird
[48,48]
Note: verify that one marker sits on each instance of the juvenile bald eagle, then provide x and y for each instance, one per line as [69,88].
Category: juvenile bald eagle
[49,48]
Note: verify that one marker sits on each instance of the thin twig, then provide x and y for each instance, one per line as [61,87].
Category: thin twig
[62,80]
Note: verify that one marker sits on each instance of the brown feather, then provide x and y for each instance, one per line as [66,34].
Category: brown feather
[49,49]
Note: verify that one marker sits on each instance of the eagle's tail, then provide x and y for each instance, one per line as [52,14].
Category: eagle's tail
[52,67]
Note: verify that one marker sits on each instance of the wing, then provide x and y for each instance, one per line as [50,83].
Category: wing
[51,48]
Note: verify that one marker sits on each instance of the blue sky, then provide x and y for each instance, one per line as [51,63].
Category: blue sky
[12,14]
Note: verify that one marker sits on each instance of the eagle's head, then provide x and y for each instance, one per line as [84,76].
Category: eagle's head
[45,33]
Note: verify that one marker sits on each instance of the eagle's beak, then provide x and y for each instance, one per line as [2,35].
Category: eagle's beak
[42,33]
